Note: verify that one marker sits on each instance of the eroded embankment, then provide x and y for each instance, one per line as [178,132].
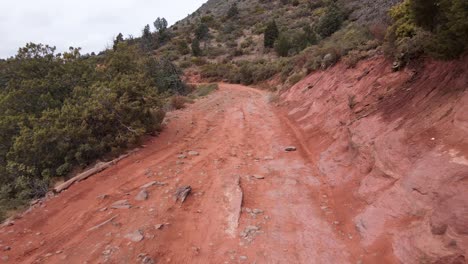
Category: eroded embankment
[394,148]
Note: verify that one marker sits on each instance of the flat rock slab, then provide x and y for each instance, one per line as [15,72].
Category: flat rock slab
[122,204]
[193,153]
[153,183]
[142,195]
[233,196]
[135,236]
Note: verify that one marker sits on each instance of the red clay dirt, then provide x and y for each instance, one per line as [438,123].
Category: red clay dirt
[379,176]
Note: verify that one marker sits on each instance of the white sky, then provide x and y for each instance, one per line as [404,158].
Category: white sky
[89,24]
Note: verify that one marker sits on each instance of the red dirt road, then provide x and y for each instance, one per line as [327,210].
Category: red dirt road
[230,216]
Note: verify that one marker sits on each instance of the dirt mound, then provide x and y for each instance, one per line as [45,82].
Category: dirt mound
[394,148]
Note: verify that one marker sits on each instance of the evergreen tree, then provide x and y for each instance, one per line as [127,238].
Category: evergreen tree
[202,31]
[160,25]
[147,42]
[196,50]
[282,46]
[233,11]
[425,12]
[118,40]
[161,28]
[331,21]
[271,34]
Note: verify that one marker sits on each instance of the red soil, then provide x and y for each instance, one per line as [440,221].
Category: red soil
[380,177]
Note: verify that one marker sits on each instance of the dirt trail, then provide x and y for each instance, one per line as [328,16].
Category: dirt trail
[230,216]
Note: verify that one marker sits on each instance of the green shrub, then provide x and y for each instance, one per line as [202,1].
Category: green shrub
[331,21]
[61,111]
[436,28]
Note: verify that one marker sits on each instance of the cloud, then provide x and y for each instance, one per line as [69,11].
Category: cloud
[89,24]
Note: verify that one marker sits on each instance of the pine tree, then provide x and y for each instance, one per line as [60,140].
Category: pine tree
[425,12]
[202,31]
[331,21]
[271,34]
[118,40]
[233,11]
[282,46]
[147,39]
[196,50]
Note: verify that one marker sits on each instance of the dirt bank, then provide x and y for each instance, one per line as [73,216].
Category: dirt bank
[393,147]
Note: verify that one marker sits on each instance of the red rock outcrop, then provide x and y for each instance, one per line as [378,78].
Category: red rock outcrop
[394,146]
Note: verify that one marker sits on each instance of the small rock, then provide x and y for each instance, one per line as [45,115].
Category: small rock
[182,156]
[135,236]
[182,193]
[258,177]
[257,211]
[268,158]
[48,255]
[243,258]
[336,223]
[179,162]
[196,250]
[142,195]
[290,148]
[122,204]
[6,248]
[149,184]
[103,196]
[103,209]
[193,153]
[249,232]
[58,252]
[145,259]
[159,226]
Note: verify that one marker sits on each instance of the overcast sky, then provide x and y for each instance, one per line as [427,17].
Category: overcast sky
[90,24]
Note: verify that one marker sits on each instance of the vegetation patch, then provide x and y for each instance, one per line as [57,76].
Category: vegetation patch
[205,89]
[63,111]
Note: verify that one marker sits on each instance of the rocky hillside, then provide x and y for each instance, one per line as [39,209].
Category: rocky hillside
[250,42]
[235,33]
